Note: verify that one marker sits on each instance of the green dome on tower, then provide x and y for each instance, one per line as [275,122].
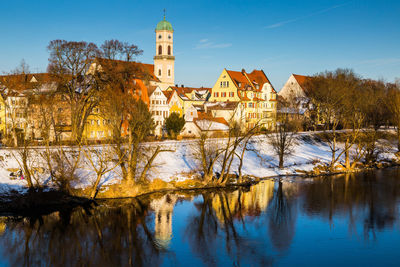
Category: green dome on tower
[164,25]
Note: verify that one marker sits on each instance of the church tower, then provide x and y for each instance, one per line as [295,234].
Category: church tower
[164,59]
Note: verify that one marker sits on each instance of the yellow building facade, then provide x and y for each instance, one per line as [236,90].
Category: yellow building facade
[2,117]
[98,127]
[253,90]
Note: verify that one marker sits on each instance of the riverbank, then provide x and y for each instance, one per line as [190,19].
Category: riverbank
[180,169]
[34,204]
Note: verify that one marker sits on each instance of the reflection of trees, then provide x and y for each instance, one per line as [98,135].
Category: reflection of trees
[224,225]
[369,198]
[282,217]
[214,227]
[105,236]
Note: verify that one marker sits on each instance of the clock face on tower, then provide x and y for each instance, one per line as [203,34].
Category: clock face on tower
[169,36]
[159,37]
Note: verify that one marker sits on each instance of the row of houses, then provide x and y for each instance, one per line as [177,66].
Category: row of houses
[248,98]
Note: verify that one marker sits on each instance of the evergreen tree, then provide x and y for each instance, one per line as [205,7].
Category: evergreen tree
[174,124]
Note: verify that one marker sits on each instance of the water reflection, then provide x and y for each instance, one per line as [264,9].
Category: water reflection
[258,225]
[163,208]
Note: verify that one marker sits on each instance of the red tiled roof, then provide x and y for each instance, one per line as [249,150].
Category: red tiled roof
[207,116]
[146,70]
[246,80]
[21,82]
[188,90]
[259,75]
[222,106]
[182,91]
[301,79]
[169,95]
[238,78]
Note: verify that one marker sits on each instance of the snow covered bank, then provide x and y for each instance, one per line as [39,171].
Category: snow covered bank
[182,163]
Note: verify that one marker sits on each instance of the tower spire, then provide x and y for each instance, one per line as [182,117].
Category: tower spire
[164,13]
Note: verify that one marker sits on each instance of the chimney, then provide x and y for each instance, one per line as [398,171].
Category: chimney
[243,71]
[182,85]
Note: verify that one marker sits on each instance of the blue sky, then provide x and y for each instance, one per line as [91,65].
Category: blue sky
[280,37]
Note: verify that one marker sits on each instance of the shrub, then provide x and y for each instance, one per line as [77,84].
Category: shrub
[174,124]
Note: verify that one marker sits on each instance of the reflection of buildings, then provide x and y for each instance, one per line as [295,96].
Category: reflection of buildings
[163,208]
[3,225]
[240,203]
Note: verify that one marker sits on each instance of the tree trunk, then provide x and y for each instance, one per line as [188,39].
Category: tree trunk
[148,165]
[208,177]
[281,161]
[28,177]
[333,160]
[347,159]
[132,160]
[95,187]
[347,155]
[398,138]
[14,137]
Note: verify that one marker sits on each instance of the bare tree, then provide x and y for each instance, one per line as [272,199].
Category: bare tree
[394,107]
[102,161]
[207,151]
[69,63]
[117,50]
[329,91]
[283,138]
[377,114]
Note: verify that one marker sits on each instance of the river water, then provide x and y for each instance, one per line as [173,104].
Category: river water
[347,220]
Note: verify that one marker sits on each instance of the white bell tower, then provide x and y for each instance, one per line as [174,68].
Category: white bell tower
[164,59]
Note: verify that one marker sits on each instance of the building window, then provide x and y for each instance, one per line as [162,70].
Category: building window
[159,49]
[169,50]
[169,73]
[227,84]
[231,94]
[159,72]
[98,122]
[220,85]
[223,94]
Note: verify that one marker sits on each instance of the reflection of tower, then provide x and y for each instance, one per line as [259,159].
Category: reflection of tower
[163,208]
